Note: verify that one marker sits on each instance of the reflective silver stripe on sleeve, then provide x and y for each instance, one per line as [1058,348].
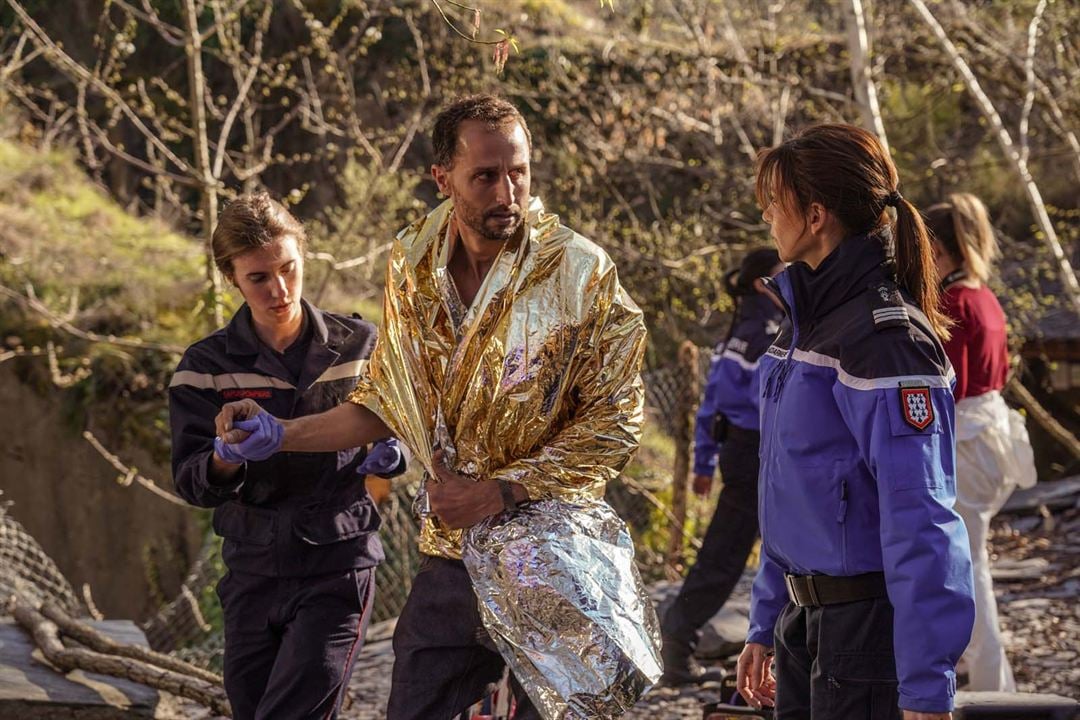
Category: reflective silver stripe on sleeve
[740,360]
[351,369]
[813,358]
[224,381]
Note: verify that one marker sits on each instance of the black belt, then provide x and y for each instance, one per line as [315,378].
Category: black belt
[817,590]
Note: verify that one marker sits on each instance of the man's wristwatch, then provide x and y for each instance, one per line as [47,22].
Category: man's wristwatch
[507,492]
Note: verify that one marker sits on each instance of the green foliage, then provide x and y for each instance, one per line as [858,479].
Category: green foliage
[105,271]
[374,206]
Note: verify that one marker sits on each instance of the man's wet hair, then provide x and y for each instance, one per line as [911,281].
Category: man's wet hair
[490,109]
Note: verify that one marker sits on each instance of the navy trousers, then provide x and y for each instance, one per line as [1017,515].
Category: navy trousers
[444,659]
[836,662]
[727,544]
[291,643]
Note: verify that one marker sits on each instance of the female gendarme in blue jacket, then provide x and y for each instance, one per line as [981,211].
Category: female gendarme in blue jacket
[865,588]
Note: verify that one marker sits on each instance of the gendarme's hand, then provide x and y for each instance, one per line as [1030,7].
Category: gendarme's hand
[265,437]
[912,715]
[754,679]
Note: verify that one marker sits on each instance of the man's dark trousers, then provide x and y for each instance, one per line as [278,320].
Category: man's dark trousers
[291,643]
[836,662]
[727,544]
[444,659]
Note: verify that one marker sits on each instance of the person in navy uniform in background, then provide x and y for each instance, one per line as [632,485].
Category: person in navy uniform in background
[300,532]
[727,427]
[865,586]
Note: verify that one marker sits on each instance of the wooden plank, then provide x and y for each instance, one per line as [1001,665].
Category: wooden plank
[31,688]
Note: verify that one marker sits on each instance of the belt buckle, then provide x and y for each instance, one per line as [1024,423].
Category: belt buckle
[792,590]
[811,591]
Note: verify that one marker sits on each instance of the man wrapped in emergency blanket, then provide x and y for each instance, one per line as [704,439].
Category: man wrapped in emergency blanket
[536,383]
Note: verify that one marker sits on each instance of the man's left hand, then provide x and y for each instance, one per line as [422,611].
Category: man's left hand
[458,501]
[912,715]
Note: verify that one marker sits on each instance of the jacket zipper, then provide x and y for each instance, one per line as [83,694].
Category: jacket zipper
[841,517]
[772,391]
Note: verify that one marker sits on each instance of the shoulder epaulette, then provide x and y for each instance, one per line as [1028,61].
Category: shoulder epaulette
[887,306]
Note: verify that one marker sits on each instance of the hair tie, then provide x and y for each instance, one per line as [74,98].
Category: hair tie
[894,198]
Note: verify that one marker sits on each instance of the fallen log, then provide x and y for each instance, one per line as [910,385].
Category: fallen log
[46,635]
[100,642]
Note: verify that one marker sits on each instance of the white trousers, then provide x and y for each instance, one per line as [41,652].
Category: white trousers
[993,456]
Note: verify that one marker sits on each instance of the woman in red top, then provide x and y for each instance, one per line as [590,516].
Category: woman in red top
[993,454]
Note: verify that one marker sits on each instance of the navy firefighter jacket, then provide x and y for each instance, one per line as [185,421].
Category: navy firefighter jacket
[732,386]
[857,462]
[294,514]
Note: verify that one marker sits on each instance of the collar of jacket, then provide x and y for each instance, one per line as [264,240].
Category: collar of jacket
[240,337]
[845,273]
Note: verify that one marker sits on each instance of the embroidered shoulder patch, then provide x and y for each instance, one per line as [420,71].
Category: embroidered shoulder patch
[916,406]
[887,306]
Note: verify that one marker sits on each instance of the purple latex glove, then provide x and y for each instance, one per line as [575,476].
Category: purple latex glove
[267,436]
[383,458]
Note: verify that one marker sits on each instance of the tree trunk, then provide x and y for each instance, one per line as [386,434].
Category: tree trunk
[684,437]
[1023,397]
[861,78]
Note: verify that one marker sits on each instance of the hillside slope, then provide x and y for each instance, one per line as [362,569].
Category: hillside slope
[91,263]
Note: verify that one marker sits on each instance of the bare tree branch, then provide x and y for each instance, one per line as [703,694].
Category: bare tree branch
[63,62]
[130,474]
[1029,73]
[59,323]
[1068,277]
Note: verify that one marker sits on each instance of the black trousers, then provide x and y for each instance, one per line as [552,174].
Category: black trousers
[727,544]
[291,643]
[836,662]
[444,659]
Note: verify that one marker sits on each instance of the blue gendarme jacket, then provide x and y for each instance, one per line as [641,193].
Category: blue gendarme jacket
[732,386]
[857,463]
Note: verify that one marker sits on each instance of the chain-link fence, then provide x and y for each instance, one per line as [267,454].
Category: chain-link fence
[26,569]
[665,524]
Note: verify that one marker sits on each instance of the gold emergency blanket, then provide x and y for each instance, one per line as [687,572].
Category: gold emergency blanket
[538,383]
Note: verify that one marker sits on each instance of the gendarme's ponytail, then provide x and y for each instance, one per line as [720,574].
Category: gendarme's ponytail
[915,269]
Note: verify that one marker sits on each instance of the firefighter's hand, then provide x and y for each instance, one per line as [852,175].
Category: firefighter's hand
[458,501]
[753,678]
[265,436]
[224,423]
[912,715]
[383,459]
[702,484]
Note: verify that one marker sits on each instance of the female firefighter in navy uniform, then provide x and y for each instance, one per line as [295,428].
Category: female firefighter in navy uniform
[727,428]
[301,540]
[865,587]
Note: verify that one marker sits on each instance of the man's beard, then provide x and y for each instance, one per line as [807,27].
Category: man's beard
[476,220]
